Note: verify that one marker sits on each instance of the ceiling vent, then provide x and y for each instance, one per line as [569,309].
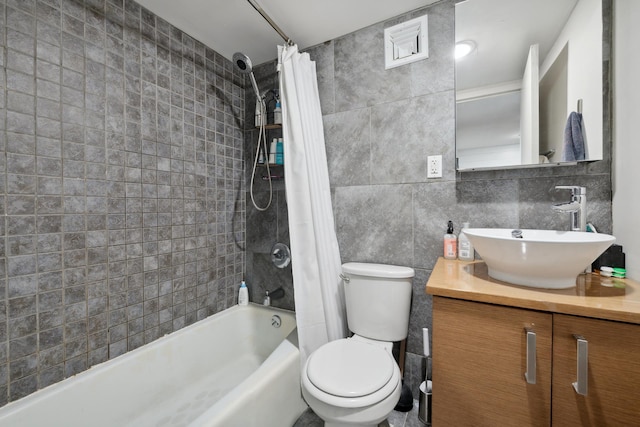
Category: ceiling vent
[405,43]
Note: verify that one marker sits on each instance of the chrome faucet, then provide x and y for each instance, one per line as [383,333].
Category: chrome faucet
[576,207]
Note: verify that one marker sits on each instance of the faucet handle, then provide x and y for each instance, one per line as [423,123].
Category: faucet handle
[576,190]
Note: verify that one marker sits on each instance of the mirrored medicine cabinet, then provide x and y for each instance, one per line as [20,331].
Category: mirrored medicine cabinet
[532,64]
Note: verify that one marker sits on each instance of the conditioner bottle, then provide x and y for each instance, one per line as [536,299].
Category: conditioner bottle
[465,248]
[450,243]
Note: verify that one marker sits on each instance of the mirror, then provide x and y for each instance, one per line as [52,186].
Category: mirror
[533,65]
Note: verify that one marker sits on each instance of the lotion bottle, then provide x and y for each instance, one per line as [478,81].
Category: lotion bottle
[465,248]
[450,243]
[243,294]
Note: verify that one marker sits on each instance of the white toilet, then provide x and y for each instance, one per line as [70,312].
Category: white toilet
[356,381]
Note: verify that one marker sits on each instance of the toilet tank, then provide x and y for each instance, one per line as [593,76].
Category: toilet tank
[378,299]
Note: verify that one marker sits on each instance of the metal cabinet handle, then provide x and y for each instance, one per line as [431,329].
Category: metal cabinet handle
[530,374]
[581,385]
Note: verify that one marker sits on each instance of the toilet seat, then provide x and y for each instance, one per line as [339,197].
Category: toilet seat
[350,373]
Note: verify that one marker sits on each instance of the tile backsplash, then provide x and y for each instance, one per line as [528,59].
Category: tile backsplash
[121,174]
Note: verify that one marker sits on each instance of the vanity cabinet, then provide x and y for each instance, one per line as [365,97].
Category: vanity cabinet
[481,375]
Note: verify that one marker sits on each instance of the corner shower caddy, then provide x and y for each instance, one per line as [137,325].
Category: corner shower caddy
[272,130]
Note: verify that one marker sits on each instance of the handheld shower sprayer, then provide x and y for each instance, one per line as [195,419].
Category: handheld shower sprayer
[244,66]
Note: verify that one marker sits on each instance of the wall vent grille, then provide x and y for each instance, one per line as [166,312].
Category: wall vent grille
[406,42]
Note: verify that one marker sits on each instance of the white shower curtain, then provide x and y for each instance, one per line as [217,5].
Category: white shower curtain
[315,256]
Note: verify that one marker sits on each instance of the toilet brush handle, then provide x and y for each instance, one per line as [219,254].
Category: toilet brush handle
[425,342]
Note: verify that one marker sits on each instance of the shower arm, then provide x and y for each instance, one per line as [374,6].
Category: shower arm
[267,18]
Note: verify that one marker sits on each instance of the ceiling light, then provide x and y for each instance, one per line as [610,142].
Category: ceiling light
[464,48]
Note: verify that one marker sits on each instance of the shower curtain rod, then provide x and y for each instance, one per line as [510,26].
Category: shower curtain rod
[257,7]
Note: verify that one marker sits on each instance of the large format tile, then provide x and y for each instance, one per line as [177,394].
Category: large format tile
[374,224]
[360,77]
[406,132]
[436,74]
[347,139]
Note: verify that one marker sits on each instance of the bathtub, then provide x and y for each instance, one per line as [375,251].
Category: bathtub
[232,369]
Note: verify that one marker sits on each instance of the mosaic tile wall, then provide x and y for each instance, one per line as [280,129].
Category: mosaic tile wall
[121,184]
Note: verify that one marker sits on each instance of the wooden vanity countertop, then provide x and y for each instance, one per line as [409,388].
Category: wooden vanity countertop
[593,296]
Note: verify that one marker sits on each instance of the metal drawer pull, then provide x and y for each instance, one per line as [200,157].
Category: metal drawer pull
[530,375]
[581,385]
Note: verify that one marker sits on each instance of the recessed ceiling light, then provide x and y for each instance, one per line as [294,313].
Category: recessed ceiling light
[464,48]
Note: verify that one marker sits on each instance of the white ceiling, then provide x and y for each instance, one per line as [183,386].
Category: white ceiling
[229,26]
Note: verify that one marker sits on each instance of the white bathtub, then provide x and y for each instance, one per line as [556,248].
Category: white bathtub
[232,369]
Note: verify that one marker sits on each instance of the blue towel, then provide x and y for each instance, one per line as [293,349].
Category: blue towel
[573,146]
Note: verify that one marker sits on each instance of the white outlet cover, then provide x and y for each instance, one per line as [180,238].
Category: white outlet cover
[434,166]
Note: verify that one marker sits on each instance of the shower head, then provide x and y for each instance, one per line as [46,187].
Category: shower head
[243,65]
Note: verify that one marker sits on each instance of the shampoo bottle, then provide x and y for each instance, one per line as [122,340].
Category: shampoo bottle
[243,294]
[450,243]
[465,248]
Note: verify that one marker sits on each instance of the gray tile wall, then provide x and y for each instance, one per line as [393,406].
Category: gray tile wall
[120,176]
[380,126]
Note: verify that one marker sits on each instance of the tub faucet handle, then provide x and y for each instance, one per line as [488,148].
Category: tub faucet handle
[267,299]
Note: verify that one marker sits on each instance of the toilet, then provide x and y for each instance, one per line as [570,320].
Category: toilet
[356,381]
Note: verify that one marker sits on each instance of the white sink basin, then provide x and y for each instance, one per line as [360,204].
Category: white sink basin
[541,258]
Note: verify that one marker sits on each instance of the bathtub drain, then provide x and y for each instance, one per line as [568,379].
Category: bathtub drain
[276,321]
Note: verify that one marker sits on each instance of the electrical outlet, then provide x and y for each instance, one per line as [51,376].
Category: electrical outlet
[434,166]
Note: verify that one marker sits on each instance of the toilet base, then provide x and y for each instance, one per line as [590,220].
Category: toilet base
[370,416]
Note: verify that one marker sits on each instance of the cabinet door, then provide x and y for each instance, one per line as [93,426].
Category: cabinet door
[613,373]
[479,365]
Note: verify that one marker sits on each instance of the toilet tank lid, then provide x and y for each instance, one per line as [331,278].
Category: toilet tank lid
[378,270]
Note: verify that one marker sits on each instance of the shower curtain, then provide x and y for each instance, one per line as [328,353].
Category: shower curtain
[315,256]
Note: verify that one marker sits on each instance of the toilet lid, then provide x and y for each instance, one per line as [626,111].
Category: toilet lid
[349,368]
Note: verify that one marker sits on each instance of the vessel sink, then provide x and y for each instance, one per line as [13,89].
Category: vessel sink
[539,258]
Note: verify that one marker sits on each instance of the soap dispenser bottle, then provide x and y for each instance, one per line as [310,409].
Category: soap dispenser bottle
[450,243]
[243,294]
[465,248]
